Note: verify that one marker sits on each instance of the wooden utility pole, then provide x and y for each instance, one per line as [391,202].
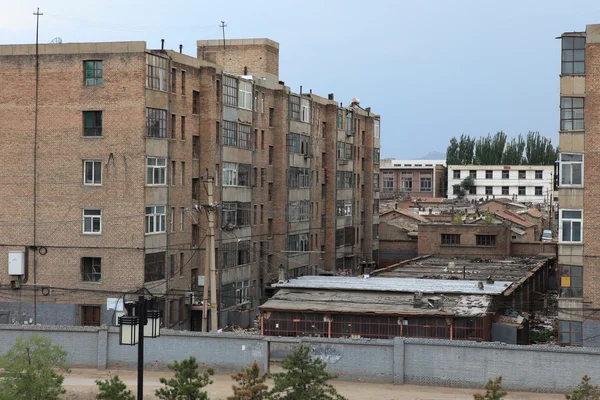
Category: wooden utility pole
[223,26]
[210,268]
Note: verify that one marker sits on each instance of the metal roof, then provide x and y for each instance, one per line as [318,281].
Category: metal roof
[407,285]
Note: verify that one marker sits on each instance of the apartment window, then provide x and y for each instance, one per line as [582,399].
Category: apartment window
[172,265]
[505,190]
[539,174]
[92,73]
[388,181]
[156,77]
[298,177]
[245,136]
[489,190]
[245,95]
[173,175]
[344,151]
[156,123]
[488,174]
[181,219]
[172,220]
[229,133]
[90,315]
[173,124]
[522,191]
[92,172]
[270,191]
[473,174]
[571,113]
[570,169]
[376,156]
[263,177]
[182,127]
[450,239]
[235,253]
[299,210]
[297,243]
[92,123]
[173,80]
[376,182]
[571,222]
[505,174]
[183,83]
[573,55]
[234,213]
[571,281]
[305,110]
[262,213]
[349,121]
[271,116]
[181,260]
[539,191]
[426,184]
[230,91]
[235,294]
[570,333]
[195,147]
[182,182]
[344,180]
[92,221]
[406,183]
[485,240]
[262,139]
[236,174]
[195,102]
[343,208]
[375,231]
[156,171]
[376,128]
[154,266]
[270,228]
[294,107]
[270,155]
[455,174]
[375,206]
[195,238]
[346,236]
[522,174]
[299,144]
[91,269]
[155,219]
[195,184]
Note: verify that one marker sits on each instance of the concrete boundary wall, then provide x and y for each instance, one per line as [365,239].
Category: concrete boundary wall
[399,361]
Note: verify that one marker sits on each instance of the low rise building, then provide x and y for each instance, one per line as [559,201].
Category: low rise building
[412,178]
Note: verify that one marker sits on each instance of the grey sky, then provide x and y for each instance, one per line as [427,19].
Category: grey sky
[432,69]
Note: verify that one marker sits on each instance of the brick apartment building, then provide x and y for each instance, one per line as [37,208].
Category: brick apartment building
[108,195]
[579,209]
[412,178]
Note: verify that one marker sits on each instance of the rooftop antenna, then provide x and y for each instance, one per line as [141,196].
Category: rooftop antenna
[222,26]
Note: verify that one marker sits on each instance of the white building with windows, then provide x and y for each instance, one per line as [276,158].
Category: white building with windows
[524,183]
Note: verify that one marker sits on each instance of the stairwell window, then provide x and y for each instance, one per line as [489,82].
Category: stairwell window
[570,226]
[92,221]
[155,219]
[92,172]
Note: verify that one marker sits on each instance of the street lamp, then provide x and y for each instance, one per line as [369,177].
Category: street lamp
[134,328]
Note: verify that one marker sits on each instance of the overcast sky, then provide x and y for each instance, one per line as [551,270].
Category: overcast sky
[432,69]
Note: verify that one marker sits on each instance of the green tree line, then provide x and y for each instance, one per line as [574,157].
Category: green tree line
[534,149]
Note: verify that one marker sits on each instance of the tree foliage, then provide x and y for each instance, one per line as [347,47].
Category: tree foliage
[32,370]
[304,378]
[113,389]
[539,150]
[187,382]
[584,391]
[251,384]
[489,149]
[493,390]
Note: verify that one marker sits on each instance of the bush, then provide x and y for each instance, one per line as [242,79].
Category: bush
[187,383]
[493,390]
[251,384]
[113,389]
[584,391]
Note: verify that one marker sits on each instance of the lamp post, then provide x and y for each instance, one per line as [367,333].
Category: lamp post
[134,328]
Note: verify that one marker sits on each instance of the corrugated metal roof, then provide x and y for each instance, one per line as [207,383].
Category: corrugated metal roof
[407,285]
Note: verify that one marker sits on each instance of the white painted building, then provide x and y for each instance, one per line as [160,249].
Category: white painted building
[524,183]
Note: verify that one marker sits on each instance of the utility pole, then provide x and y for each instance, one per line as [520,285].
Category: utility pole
[35,128]
[210,271]
[222,26]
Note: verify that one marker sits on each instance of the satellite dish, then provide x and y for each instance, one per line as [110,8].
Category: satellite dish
[56,40]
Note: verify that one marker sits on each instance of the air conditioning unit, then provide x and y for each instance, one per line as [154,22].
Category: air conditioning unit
[189,298]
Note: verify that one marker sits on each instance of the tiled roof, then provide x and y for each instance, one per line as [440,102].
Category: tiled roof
[514,218]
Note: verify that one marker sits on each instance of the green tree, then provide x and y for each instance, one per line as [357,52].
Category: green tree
[513,152]
[489,149]
[539,150]
[466,147]
[584,391]
[32,370]
[304,378]
[452,156]
[493,390]
[187,382]
[113,389]
[251,384]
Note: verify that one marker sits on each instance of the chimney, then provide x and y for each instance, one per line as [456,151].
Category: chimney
[281,273]
[245,70]
[181,48]
[330,96]
[162,44]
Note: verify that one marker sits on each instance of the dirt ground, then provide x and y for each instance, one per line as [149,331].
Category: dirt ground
[80,386]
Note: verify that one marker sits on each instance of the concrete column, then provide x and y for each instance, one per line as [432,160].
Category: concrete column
[266,355]
[102,357]
[398,361]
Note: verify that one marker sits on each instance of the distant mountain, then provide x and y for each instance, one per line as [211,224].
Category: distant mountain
[433,155]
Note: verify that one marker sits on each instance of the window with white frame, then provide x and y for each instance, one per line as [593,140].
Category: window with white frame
[92,221]
[156,171]
[245,136]
[406,181]
[155,219]
[571,224]
[299,210]
[305,110]
[92,172]
[230,91]
[235,213]
[245,95]
[376,128]
[388,181]
[343,208]
[426,181]
[299,177]
[236,174]
[570,169]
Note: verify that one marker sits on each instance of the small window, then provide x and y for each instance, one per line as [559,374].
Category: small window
[456,174]
[505,174]
[91,269]
[173,80]
[195,147]
[489,190]
[183,83]
[92,172]
[539,174]
[485,240]
[92,73]
[182,127]
[571,281]
[270,155]
[90,315]
[505,190]
[473,174]
[92,221]
[450,239]
[155,219]
[522,190]
[92,123]
[539,191]
[195,102]
[182,182]
[156,171]
[522,174]
[488,174]
[570,333]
